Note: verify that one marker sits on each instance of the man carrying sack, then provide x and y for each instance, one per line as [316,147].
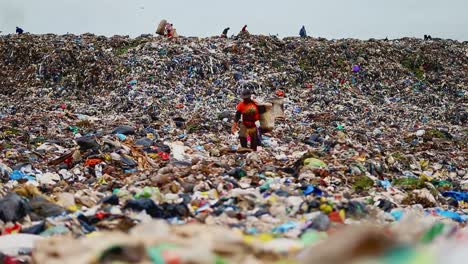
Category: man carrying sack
[250,112]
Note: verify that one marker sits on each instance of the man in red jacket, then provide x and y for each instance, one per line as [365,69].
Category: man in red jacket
[250,113]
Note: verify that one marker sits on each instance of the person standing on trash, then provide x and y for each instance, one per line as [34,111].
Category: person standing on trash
[225,32]
[244,29]
[303,32]
[169,28]
[250,111]
[19,30]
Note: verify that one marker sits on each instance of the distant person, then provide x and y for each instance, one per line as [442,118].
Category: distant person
[19,30]
[303,32]
[225,32]
[169,28]
[244,31]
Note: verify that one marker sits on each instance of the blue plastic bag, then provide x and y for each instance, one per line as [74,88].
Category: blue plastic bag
[459,196]
[385,183]
[285,227]
[450,214]
[312,189]
[19,175]
[397,214]
[122,137]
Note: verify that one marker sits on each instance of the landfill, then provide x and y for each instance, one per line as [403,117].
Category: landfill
[119,150]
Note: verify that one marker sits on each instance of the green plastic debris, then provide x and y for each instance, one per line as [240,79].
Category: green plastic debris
[409,183]
[220,260]
[432,233]
[241,174]
[314,163]
[442,184]
[73,129]
[363,183]
[399,255]
[312,237]
[147,192]
[266,185]
[154,253]
[340,127]
[408,255]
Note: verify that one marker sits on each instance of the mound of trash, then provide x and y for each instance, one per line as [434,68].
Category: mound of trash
[119,149]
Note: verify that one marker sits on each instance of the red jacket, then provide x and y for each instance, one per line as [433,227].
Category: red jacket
[250,113]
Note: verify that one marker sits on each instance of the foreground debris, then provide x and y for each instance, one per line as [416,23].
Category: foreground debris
[101,136]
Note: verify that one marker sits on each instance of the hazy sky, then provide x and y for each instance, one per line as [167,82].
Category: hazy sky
[325,18]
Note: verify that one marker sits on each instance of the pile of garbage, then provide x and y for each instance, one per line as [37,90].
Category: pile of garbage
[120,149]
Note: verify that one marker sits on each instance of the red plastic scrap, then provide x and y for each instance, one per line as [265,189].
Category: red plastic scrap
[101,215]
[10,260]
[92,162]
[13,229]
[335,217]
[163,155]
[280,93]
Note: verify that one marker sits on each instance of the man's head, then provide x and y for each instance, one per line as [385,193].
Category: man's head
[246,94]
